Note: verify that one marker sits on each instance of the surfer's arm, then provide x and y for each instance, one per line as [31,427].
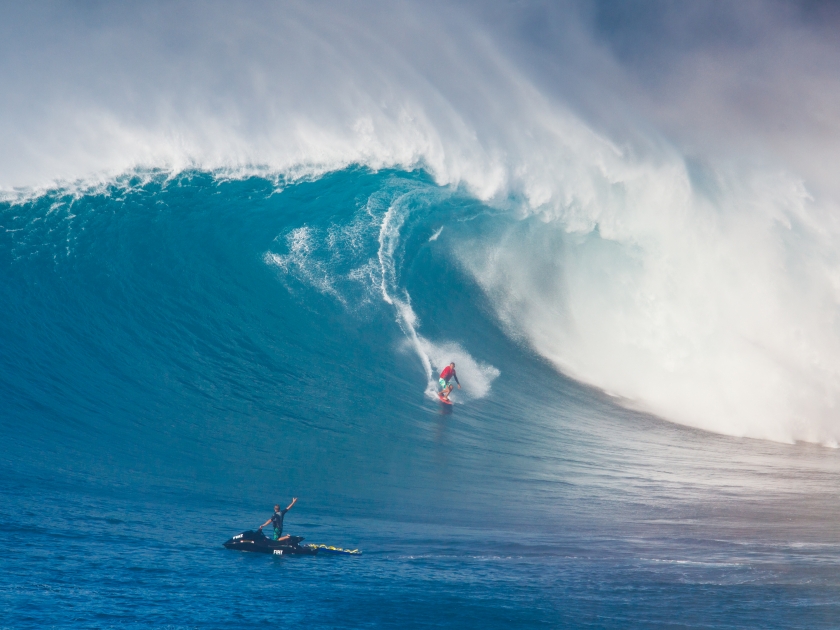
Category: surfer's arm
[291,504]
[456,379]
[266,523]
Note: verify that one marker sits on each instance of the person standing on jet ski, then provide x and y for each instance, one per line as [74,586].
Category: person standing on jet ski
[277,521]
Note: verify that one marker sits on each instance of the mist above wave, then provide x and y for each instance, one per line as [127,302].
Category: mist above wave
[675,245]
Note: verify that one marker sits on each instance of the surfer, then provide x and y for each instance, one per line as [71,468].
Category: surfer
[277,521]
[445,376]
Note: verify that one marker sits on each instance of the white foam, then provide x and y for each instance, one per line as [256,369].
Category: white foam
[721,316]
[301,262]
[475,377]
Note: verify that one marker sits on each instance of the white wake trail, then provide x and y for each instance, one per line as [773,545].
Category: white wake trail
[476,376]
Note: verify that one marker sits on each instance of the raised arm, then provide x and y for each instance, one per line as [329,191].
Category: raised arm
[291,505]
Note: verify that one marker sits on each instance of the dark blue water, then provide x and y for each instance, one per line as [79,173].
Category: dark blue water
[179,354]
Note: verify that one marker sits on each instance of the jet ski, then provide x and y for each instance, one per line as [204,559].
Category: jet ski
[257,541]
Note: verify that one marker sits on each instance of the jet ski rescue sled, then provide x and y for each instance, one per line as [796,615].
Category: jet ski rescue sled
[258,542]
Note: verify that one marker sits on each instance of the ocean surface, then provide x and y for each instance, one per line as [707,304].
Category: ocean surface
[179,352]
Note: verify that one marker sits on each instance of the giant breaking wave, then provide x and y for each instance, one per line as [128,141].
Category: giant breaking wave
[691,285]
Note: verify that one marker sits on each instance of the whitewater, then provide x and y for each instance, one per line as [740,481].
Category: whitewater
[240,244]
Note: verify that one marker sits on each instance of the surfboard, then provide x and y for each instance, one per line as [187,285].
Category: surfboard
[443,400]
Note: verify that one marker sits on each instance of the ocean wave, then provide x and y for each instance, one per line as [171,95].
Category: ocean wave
[694,279]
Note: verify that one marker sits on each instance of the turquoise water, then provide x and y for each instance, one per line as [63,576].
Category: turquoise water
[180,353]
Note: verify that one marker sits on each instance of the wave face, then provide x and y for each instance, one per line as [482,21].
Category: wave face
[161,313]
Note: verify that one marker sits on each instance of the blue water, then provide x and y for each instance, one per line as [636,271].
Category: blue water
[180,353]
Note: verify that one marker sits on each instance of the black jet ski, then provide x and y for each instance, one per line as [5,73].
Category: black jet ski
[257,541]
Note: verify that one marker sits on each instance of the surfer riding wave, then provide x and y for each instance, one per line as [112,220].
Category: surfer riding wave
[446,375]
